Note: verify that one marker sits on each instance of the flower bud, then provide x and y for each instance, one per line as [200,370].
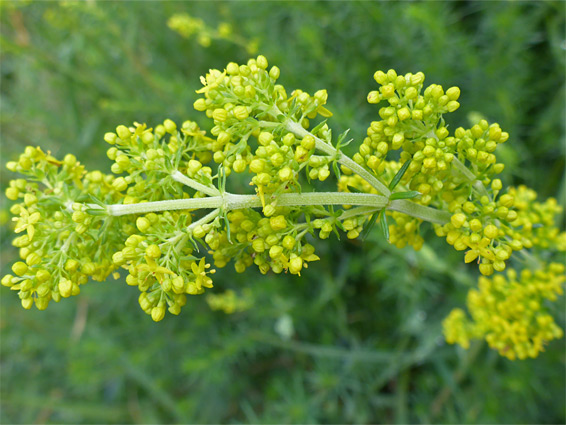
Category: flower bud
[158,313]
[240,112]
[20,268]
[295,265]
[200,105]
[220,115]
[278,223]
[261,62]
[65,287]
[458,220]
[274,72]
[265,138]
[170,126]
[123,132]
[153,251]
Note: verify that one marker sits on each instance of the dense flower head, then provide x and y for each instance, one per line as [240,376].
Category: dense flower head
[58,243]
[230,302]
[146,217]
[510,312]
[188,26]
[146,159]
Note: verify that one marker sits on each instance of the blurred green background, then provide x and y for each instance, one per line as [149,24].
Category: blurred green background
[357,338]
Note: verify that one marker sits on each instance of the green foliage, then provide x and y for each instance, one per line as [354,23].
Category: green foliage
[358,337]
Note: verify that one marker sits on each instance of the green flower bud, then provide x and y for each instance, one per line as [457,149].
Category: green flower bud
[458,220]
[153,251]
[200,105]
[12,193]
[239,166]
[274,72]
[157,313]
[258,245]
[374,97]
[65,287]
[261,62]
[295,265]
[170,126]
[119,184]
[20,268]
[240,112]
[265,138]
[491,231]
[278,223]
[220,115]
[123,132]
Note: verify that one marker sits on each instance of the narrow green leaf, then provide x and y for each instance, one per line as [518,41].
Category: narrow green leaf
[318,127]
[96,200]
[227,224]
[399,175]
[405,195]
[96,211]
[384,226]
[341,139]
[354,189]
[369,225]
[336,169]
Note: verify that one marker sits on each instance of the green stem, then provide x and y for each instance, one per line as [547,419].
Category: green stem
[227,202]
[471,177]
[345,160]
[207,218]
[463,170]
[231,201]
[431,215]
[181,178]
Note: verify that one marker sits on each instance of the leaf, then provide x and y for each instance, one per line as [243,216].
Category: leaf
[405,195]
[336,170]
[96,211]
[227,224]
[318,127]
[341,139]
[96,201]
[399,175]
[354,189]
[384,226]
[369,225]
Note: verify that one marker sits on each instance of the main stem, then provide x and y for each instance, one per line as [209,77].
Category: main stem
[229,201]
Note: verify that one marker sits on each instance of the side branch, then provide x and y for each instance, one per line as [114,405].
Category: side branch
[345,160]
[181,178]
[429,214]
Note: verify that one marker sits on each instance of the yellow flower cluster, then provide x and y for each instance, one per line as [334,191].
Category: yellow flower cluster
[149,157]
[188,26]
[535,223]
[143,217]
[60,249]
[492,227]
[510,313]
[235,99]
[159,261]
[274,243]
[230,302]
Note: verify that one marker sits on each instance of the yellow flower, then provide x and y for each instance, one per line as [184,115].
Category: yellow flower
[200,273]
[156,270]
[26,221]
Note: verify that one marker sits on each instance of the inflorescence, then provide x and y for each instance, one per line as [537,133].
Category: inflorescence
[166,204]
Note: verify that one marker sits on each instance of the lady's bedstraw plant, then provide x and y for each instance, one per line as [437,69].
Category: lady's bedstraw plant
[163,203]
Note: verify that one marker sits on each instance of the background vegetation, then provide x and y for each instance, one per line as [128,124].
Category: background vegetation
[357,338]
